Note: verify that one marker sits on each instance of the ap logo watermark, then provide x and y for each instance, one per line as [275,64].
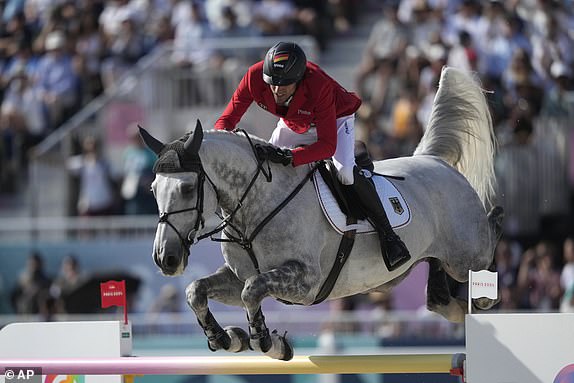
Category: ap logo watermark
[23,374]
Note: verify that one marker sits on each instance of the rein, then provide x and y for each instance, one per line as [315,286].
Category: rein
[247,243]
[240,238]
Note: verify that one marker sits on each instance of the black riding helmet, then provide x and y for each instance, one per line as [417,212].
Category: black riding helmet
[284,64]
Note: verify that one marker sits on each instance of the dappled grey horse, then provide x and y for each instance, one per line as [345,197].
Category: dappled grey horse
[277,242]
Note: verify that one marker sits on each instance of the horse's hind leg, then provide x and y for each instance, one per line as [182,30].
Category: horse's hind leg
[222,286]
[287,282]
[439,298]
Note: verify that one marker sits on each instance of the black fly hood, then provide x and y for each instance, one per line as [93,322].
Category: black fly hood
[173,158]
[178,156]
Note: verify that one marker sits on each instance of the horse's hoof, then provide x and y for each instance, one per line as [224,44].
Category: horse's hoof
[239,339]
[282,349]
[288,349]
[221,341]
[484,303]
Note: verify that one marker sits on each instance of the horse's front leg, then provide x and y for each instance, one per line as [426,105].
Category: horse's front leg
[288,282]
[222,286]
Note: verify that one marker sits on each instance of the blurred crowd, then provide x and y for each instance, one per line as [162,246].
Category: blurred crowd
[36,292]
[71,289]
[56,56]
[520,50]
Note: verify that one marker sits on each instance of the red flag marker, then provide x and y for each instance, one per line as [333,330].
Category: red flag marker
[113,293]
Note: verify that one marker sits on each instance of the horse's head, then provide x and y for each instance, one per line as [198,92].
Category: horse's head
[179,189]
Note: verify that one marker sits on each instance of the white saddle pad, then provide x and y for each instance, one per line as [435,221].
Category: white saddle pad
[395,206]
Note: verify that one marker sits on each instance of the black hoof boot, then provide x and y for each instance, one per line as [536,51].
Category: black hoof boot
[283,347]
[288,354]
[219,341]
[239,339]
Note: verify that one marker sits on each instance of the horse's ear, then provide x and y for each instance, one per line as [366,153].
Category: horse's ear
[193,142]
[155,145]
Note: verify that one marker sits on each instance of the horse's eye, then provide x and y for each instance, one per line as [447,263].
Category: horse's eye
[186,188]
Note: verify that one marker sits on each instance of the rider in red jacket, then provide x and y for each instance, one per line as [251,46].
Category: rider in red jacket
[316,122]
[317,102]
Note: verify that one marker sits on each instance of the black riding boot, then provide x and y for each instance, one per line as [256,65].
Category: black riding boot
[395,253]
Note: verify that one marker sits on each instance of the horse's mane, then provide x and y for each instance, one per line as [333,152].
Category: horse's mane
[460,131]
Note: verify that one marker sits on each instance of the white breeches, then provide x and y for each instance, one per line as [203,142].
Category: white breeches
[344,157]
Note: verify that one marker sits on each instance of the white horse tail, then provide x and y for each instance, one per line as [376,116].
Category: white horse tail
[460,131]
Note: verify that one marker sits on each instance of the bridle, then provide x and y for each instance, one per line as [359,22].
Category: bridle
[239,237]
[187,241]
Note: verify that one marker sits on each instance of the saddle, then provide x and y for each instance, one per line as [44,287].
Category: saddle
[339,202]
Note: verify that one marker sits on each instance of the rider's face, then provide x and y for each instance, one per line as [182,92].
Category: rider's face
[282,93]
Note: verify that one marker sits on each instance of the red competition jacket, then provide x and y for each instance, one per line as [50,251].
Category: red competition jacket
[318,100]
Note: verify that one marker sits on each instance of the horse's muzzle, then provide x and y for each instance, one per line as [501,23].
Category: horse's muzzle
[172,263]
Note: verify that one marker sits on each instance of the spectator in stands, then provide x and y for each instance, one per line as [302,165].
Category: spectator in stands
[68,18]
[465,18]
[274,17]
[96,195]
[138,175]
[314,110]
[160,32]
[230,26]
[506,263]
[507,268]
[538,280]
[558,102]
[522,83]
[22,59]
[90,50]
[20,32]
[32,283]
[552,44]
[406,128]
[463,54]
[496,94]
[21,121]
[221,14]
[57,82]
[123,51]
[425,28]
[517,193]
[188,46]
[69,279]
[387,42]
[312,17]
[114,14]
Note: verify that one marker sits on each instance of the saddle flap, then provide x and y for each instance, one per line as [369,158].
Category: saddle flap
[395,205]
[343,194]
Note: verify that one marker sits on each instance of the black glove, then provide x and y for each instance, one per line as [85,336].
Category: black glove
[277,155]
